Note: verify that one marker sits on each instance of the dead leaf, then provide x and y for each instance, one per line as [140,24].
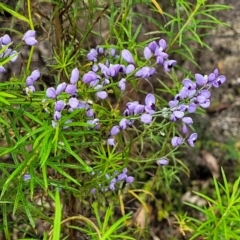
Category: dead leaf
[211,163]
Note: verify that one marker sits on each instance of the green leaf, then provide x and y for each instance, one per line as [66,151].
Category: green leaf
[57,218]
[13,13]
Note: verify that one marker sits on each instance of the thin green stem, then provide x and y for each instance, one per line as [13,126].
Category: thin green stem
[185,25]
[32,27]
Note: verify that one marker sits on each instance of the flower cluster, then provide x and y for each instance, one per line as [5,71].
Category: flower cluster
[192,95]
[5,51]
[157,50]
[145,113]
[116,179]
[30,80]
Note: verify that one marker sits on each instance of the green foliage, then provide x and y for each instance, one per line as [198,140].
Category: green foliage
[221,217]
[67,162]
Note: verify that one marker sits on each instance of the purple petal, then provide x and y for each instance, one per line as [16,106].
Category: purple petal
[90,76]
[152,46]
[200,79]
[122,177]
[178,114]
[26,177]
[130,68]
[150,101]
[59,105]
[30,41]
[14,56]
[147,53]
[129,179]
[90,113]
[169,64]
[102,94]
[35,74]
[162,161]
[162,44]
[111,142]
[139,109]
[127,56]
[71,89]
[146,118]
[92,55]
[176,141]
[57,115]
[123,123]
[61,87]
[73,102]
[74,76]
[122,84]
[51,93]
[192,139]
[29,81]
[187,120]
[5,40]
[115,130]
[29,33]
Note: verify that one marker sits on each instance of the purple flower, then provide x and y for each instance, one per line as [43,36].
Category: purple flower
[60,88]
[14,56]
[29,38]
[59,105]
[200,79]
[131,107]
[162,161]
[71,89]
[127,56]
[101,94]
[51,93]
[152,46]
[5,40]
[90,113]
[122,84]
[219,81]
[147,53]
[176,141]
[74,76]
[112,186]
[115,130]
[139,109]
[92,55]
[29,81]
[162,44]
[35,74]
[26,177]
[145,72]
[73,102]
[169,64]
[146,118]
[129,179]
[130,68]
[57,115]
[111,142]
[122,177]
[90,76]
[150,103]
[192,139]
[123,123]
[176,115]
[161,56]
[187,120]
